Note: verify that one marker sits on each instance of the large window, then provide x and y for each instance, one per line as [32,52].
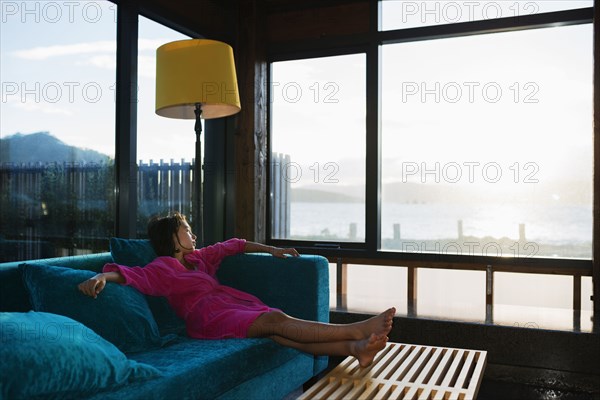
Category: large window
[165,145]
[318,149]
[492,153]
[479,156]
[57,128]
[486,146]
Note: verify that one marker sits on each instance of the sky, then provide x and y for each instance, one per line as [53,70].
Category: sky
[57,81]
[64,83]
[518,102]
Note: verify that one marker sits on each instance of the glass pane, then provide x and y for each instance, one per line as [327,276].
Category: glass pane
[57,128]
[375,288]
[411,14]
[451,294]
[166,146]
[587,291]
[491,154]
[318,148]
[536,301]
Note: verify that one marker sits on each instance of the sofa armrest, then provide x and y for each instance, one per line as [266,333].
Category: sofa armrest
[299,286]
[14,296]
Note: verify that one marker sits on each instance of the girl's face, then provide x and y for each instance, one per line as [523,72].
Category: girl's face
[185,240]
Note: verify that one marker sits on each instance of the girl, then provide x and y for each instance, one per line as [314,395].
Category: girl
[186,277]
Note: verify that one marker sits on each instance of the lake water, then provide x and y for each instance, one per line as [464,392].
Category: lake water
[530,300]
[549,224]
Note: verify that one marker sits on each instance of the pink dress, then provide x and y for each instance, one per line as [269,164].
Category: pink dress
[209,309]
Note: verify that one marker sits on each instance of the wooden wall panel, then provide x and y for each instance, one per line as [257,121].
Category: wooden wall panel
[208,18]
[318,22]
[251,133]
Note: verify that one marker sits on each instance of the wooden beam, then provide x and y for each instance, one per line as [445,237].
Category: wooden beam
[582,269]
[341,286]
[373,137]
[318,22]
[126,121]
[489,295]
[577,303]
[411,292]
[251,133]
[596,212]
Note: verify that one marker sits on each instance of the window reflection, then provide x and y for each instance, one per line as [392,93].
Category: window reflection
[57,129]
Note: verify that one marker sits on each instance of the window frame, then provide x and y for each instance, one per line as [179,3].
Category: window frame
[126,110]
[370,250]
[306,56]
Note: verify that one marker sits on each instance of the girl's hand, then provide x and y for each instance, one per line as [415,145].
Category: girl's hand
[93,286]
[281,253]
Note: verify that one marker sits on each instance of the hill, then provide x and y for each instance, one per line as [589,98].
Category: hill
[321,196]
[43,147]
[575,192]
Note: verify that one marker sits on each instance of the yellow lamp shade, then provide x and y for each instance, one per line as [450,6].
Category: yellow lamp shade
[196,71]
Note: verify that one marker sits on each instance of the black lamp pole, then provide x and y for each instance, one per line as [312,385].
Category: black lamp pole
[197,207]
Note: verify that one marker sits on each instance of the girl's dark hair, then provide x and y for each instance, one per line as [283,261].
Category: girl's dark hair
[161,231]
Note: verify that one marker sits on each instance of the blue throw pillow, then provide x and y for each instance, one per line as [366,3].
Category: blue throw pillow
[120,314]
[51,356]
[131,252]
[138,253]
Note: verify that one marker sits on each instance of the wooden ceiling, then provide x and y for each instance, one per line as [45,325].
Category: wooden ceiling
[219,19]
[215,19]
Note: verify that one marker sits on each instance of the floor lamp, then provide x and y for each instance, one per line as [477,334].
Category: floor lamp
[196,79]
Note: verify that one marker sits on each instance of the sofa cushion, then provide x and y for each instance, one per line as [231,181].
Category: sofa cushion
[131,252]
[120,314]
[13,295]
[206,369]
[52,356]
[138,253]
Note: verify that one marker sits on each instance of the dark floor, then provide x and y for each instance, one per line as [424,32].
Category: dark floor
[493,390]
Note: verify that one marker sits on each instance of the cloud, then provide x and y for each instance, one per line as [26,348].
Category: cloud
[101,61]
[34,105]
[151,44]
[147,67]
[43,53]
[43,108]
[147,60]
[101,54]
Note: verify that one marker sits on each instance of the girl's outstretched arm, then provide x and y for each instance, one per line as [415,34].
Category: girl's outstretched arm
[252,247]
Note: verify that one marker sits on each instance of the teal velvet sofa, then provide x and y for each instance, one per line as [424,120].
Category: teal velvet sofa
[169,364]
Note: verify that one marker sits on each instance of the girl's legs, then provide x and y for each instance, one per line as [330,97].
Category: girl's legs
[301,331]
[362,340]
[364,349]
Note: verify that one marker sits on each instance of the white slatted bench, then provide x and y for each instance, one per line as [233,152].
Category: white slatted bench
[405,371]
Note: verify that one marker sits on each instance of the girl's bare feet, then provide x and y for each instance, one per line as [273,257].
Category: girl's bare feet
[365,350]
[380,324]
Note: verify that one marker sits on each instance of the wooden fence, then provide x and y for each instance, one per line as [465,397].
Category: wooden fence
[54,209]
[164,187]
[280,196]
